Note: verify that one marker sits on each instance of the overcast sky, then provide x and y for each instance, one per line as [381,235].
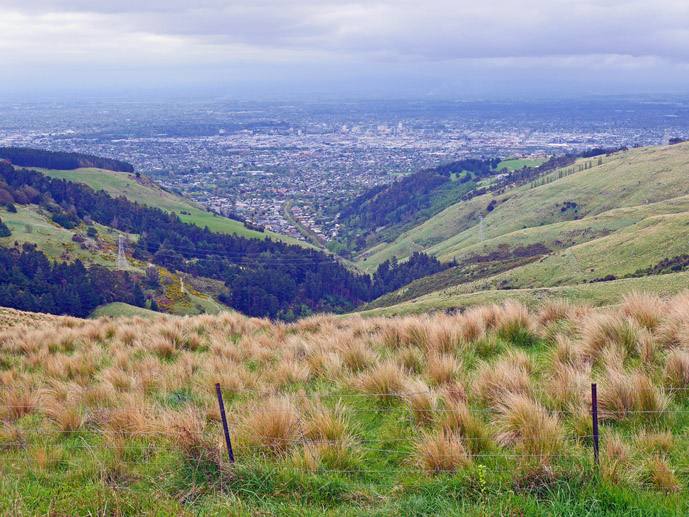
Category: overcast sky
[441,47]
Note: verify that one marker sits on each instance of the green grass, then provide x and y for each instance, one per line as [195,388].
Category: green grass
[256,491]
[94,471]
[517,163]
[632,211]
[597,294]
[30,225]
[122,310]
[628,180]
[149,193]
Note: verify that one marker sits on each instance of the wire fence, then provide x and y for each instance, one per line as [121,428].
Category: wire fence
[374,439]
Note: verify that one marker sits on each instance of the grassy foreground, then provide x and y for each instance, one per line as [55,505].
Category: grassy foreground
[481,413]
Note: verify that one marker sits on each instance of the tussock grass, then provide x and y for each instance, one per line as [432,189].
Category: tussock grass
[528,424]
[385,379]
[492,381]
[443,452]
[274,425]
[676,371]
[644,308]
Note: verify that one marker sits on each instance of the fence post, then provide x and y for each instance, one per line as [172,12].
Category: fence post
[224,422]
[594,414]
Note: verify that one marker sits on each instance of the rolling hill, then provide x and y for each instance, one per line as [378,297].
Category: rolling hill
[601,218]
[145,191]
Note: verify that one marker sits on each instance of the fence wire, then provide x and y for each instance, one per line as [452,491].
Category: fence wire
[383,435]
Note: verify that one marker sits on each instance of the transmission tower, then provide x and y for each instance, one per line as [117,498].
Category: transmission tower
[481,236]
[121,257]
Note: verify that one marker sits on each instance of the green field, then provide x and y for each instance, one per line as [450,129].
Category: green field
[517,163]
[147,192]
[122,310]
[33,226]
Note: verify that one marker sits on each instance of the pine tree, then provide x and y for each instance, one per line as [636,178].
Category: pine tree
[4,230]
[138,296]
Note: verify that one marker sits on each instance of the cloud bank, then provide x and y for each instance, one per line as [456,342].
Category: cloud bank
[437,37]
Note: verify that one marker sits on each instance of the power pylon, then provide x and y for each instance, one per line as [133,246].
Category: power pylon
[121,257]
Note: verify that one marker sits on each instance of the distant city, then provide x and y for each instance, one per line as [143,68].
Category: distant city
[278,164]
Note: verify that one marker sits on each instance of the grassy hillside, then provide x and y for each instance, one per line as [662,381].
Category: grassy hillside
[484,413]
[145,191]
[599,294]
[630,179]
[32,225]
[627,213]
[11,317]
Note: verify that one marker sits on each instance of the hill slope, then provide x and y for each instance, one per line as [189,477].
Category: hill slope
[145,191]
[612,219]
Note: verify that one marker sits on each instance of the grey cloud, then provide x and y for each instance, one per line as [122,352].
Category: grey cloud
[404,29]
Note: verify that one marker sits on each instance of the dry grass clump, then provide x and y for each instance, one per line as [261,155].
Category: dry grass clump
[289,372]
[516,325]
[493,380]
[441,368]
[443,335]
[422,402]
[615,460]
[605,330]
[477,321]
[385,379]
[64,407]
[621,394]
[565,352]
[529,426]
[273,424]
[569,386]
[645,308]
[19,401]
[411,359]
[673,329]
[443,452]
[553,311]
[330,433]
[133,416]
[356,355]
[676,371]
[657,473]
[454,417]
[655,442]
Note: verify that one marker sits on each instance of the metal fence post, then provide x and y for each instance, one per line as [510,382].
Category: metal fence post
[224,423]
[594,414]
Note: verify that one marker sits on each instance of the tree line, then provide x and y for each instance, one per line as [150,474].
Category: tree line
[25,157]
[264,277]
[29,281]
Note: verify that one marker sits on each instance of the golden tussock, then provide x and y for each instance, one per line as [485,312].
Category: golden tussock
[442,452]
